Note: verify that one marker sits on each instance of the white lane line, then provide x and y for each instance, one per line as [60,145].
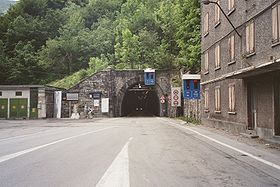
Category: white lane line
[20,136]
[228,146]
[17,154]
[118,172]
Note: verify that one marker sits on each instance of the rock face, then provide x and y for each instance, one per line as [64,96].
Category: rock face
[113,85]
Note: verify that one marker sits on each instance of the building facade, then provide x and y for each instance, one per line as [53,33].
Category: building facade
[28,101]
[241,71]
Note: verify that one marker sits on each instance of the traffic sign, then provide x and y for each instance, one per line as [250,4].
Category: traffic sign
[162,99]
[176,96]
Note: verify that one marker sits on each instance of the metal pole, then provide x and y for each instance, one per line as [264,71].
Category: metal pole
[226,17]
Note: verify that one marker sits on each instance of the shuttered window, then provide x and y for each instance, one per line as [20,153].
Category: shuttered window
[206,99]
[217,13]
[217,99]
[206,62]
[231,48]
[231,5]
[250,38]
[231,96]
[217,56]
[275,23]
[206,24]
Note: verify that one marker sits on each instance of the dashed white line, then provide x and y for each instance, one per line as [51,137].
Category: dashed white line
[228,146]
[118,172]
[17,154]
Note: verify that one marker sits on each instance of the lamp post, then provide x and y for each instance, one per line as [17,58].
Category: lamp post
[207,2]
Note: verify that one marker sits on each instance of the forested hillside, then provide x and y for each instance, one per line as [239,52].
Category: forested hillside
[46,40]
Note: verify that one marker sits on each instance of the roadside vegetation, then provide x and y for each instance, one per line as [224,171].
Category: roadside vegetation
[61,42]
[190,119]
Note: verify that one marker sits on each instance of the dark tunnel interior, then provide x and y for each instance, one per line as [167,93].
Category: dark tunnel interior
[140,100]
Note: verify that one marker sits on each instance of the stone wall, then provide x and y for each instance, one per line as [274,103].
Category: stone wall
[192,108]
[113,84]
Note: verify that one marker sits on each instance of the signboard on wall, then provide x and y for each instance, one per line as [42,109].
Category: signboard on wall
[95,95]
[96,102]
[176,96]
[72,96]
[105,105]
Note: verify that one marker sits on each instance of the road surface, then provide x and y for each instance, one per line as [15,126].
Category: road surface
[129,152]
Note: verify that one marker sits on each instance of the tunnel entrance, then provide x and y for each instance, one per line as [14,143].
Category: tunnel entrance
[140,100]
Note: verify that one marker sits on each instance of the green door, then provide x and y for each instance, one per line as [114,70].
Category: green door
[18,108]
[3,108]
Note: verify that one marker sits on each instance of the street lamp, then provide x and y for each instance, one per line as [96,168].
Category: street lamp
[207,2]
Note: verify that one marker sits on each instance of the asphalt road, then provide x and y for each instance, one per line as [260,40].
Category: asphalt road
[129,152]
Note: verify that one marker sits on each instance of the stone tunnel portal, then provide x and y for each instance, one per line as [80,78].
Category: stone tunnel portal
[140,100]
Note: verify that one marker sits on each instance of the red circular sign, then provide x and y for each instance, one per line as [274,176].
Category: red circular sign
[175,102]
[176,92]
[175,97]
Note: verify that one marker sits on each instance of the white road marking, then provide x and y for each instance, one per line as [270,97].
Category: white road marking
[20,136]
[118,173]
[228,146]
[17,154]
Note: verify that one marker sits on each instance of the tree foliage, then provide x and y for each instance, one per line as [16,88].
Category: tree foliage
[46,40]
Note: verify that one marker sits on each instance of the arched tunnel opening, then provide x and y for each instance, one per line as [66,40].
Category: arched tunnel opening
[140,100]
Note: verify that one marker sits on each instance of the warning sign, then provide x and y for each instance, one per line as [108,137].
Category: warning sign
[162,99]
[176,96]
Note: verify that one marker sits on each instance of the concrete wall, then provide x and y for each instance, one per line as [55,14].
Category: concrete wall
[42,109]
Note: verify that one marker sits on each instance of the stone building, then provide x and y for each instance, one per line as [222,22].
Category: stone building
[115,93]
[27,101]
[241,74]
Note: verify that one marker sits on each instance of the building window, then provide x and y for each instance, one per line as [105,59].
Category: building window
[231,96]
[275,23]
[231,48]
[217,57]
[206,62]
[18,93]
[217,99]
[206,99]
[206,25]
[231,5]
[250,38]
[217,14]
[0,93]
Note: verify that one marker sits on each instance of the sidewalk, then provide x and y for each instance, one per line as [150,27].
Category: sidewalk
[263,154]
[270,143]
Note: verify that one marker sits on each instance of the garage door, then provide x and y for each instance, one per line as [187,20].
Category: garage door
[18,108]
[3,108]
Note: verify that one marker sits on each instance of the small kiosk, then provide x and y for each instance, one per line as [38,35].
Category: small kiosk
[150,77]
[191,86]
